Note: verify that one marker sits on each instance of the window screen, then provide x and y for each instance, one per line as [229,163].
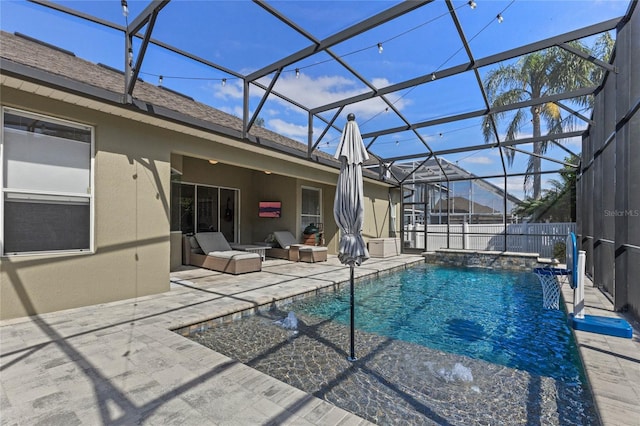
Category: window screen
[46,184]
[311,207]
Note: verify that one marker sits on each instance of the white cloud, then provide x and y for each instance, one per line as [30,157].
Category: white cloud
[313,92]
[514,185]
[232,90]
[291,130]
[317,91]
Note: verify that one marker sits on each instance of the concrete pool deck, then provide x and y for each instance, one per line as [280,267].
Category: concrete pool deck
[612,364]
[119,363]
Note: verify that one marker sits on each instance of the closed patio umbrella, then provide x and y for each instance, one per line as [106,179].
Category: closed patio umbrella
[348,209]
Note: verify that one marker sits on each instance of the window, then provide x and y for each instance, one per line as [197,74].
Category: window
[202,208]
[311,206]
[46,184]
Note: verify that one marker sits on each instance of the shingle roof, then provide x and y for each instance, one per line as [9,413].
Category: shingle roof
[38,55]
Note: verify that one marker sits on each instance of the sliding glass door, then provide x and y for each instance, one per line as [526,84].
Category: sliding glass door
[202,208]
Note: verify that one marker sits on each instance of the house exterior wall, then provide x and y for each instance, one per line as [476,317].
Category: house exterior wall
[131,231]
[273,187]
[132,240]
[377,213]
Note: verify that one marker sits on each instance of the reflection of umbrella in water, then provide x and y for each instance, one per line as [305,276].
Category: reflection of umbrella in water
[348,209]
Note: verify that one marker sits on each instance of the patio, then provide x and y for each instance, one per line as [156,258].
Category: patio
[55,369]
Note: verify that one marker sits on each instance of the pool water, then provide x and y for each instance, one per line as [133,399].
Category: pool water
[484,314]
[435,346]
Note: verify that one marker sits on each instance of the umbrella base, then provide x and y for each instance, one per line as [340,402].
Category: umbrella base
[352,358]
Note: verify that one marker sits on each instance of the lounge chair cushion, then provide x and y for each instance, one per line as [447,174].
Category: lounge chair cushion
[285,239]
[312,248]
[233,254]
[212,241]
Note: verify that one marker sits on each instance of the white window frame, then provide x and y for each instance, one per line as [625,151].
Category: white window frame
[319,215]
[90,191]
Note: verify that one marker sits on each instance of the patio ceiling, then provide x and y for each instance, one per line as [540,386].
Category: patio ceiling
[412,71]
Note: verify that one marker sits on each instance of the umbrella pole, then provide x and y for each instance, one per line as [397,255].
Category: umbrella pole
[352,356]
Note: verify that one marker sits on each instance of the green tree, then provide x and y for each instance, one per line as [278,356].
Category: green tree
[557,203]
[547,72]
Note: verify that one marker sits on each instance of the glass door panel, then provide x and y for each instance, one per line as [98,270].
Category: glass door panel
[228,202]
[207,209]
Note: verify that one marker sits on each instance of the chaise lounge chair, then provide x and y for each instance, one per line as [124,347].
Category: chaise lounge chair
[211,250]
[290,249]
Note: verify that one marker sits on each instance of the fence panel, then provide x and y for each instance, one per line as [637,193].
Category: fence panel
[521,237]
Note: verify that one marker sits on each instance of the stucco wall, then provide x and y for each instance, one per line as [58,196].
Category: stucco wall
[377,214]
[273,187]
[131,230]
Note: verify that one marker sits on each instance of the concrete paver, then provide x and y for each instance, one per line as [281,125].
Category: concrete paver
[120,363]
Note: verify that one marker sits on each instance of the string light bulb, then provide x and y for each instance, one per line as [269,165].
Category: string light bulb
[380,48]
[499,18]
[472,4]
[397,143]
[433,76]
[224,82]
[125,8]
[160,81]
[297,72]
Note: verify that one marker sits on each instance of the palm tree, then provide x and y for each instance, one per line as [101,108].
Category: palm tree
[556,203]
[543,73]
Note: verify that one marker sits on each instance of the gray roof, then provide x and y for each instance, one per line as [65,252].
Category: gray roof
[148,98]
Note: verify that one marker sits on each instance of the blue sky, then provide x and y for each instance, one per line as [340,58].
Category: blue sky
[243,37]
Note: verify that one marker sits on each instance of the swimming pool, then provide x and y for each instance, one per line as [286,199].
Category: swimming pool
[436,345]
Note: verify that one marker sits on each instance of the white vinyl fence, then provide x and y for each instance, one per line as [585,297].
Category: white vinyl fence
[521,237]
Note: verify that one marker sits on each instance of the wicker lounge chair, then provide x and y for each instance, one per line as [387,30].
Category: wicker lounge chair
[290,249]
[211,250]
